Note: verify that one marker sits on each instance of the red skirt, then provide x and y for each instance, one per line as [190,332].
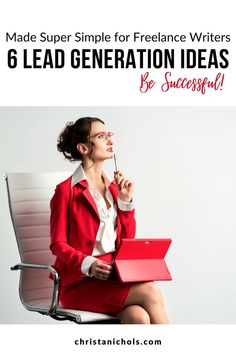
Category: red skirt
[92,294]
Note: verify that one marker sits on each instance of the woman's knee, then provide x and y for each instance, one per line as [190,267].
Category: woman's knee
[143,293]
[140,316]
[153,292]
[134,314]
[148,291]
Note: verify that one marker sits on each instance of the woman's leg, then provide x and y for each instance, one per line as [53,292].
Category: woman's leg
[134,314]
[149,297]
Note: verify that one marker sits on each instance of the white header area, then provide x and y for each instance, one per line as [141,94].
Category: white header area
[98,54]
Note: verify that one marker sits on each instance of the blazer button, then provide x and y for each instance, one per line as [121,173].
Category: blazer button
[90,242]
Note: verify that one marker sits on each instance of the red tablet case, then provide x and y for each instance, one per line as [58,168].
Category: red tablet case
[140,260]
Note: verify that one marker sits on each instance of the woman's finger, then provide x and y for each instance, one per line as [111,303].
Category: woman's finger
[102,274]
[126,183]
[121,182]
[118,176]
[102,271]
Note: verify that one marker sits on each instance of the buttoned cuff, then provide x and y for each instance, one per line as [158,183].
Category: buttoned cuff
[124,205]
[86,264]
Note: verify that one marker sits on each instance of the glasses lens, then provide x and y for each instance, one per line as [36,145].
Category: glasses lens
[102,135]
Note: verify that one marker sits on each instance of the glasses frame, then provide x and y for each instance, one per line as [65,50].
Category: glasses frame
[107,134]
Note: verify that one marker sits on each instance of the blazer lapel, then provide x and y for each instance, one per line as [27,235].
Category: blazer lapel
[88,196]
[91,201]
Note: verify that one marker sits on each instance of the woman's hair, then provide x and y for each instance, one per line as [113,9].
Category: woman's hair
[73,134]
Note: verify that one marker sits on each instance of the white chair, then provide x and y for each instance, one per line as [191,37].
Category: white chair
[29,195]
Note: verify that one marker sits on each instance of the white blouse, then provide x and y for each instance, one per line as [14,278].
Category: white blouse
[106,235]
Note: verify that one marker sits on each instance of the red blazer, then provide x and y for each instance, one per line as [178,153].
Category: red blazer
[74,224]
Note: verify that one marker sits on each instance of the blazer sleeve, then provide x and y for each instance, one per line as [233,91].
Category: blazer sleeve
[128,223]
[59,228]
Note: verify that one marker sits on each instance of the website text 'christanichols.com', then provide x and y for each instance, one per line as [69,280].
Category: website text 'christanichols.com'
[117,342]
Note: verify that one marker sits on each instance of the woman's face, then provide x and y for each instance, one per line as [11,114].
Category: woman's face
[102,142]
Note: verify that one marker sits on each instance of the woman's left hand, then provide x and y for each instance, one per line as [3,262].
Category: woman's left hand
[125,186]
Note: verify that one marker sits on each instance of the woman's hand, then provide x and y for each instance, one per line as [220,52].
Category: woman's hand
[101,270]
[125,186]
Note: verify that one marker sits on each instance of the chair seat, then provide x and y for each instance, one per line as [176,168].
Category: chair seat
[78,316]
[85,316]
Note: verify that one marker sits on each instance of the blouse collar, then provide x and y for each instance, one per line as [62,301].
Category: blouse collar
[79,175]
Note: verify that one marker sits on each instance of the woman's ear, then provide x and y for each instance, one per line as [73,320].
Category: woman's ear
[82,148]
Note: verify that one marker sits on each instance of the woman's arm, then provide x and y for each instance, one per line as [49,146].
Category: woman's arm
[125,205]
[59,226]
[128,223]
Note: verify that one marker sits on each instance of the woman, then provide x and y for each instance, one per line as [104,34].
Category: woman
[89,216]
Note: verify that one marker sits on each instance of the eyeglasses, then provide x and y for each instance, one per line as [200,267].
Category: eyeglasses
[103,136]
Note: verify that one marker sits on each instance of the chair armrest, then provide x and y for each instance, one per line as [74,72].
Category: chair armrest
[52,270]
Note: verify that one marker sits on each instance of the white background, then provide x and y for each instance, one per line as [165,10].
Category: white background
[182,162]
[112,86]
[188,154]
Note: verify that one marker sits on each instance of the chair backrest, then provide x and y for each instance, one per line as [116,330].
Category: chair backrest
[29,197]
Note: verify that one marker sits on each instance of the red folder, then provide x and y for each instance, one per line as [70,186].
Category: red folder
[139,260]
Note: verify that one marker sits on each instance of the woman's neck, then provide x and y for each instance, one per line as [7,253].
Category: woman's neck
[93,172]
[95,179]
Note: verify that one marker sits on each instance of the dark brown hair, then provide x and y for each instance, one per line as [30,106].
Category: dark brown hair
[73,134]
